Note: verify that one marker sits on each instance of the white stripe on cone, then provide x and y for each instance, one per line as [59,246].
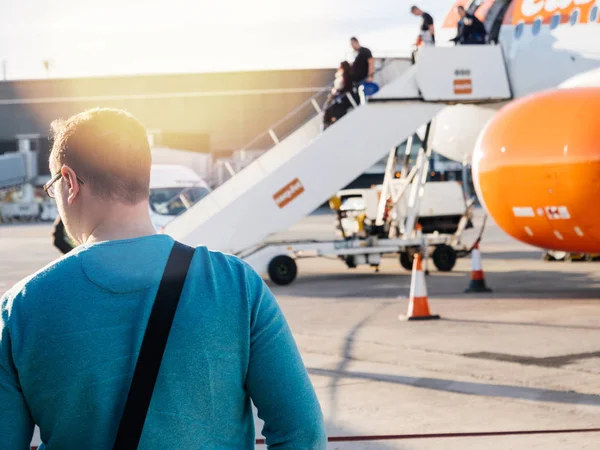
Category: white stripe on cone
[417,284]
[36,441]
[476,260]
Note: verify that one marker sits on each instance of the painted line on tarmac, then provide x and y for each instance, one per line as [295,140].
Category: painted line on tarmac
[398,437]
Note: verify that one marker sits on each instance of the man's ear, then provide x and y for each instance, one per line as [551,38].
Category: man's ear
[71,183]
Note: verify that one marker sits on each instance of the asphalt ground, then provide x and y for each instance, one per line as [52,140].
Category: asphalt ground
[523,357]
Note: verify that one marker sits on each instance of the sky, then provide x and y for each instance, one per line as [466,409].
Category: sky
[84,38]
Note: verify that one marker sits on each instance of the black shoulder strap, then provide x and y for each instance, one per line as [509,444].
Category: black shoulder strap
[153,347]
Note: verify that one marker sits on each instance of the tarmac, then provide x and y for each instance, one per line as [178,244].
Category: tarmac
[523,357]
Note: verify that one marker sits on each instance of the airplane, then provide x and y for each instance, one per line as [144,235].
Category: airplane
[536,158]
[539,51]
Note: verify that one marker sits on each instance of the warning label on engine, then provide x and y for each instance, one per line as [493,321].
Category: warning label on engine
[288,193]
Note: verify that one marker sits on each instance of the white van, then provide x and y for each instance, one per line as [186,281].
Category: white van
[173,189]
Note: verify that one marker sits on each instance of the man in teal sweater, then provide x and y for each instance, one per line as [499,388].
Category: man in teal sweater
[71,333]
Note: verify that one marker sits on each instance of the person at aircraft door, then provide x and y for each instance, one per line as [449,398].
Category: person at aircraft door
[427,31]
[470,30]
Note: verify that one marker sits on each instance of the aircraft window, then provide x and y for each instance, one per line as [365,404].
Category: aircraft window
[519,30]
[594,14]
[574,17]
[555,21]
[537,25]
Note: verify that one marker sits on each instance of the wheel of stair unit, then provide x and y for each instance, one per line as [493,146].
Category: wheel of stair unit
[444,258]
[406,260]
[282,270]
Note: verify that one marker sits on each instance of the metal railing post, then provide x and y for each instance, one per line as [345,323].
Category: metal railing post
[229,168]
[351,99]
[361,95]
[273,136]
[316,105]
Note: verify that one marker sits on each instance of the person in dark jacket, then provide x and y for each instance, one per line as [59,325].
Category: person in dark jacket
[61,240]
[470,30]
[337,103]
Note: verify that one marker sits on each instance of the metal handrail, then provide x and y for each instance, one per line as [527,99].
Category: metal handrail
[312,100]
[299,108]
[287,116]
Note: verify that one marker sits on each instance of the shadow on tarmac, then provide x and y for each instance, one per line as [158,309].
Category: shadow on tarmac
[468,388]
[526,324]
[521,285]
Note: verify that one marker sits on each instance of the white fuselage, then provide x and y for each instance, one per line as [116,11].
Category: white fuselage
[534,62]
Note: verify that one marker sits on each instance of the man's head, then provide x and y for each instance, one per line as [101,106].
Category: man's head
[416,10]
[104,159]
[354,43]
[461,11]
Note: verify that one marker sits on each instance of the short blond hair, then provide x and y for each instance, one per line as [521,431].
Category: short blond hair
[109,151]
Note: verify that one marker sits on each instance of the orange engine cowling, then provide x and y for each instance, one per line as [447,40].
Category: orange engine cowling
[536,168]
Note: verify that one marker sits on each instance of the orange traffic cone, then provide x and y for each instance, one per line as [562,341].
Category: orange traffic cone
[418,307]
[418,230]
[419,234]
[477,283]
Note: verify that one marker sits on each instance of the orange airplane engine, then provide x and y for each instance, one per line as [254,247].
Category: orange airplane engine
[536,169]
